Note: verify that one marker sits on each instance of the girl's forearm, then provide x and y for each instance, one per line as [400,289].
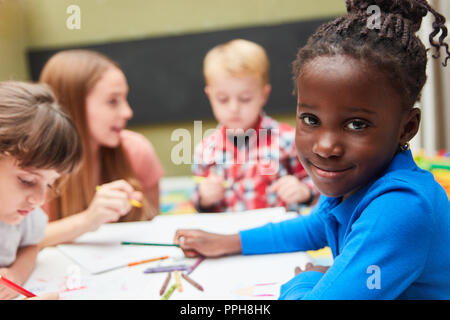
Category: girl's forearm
[65,230]
[25,262]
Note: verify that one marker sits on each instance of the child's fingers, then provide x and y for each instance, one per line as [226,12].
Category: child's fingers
[283,181]
[212,178]
[121,185]
[275,186]
[191,253]
[108,215]
[297,270]
[120,206]
[180,238]
[7,294]
[112,194]
[181,235]
[137,195]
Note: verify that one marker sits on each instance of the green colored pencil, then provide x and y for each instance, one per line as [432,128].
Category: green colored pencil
[149,244]
[169,292]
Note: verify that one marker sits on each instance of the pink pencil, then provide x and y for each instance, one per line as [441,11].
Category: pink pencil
[16,287]
[195,265]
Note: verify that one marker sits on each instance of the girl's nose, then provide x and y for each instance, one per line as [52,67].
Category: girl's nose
[328,145]
[127,112]
[36,198]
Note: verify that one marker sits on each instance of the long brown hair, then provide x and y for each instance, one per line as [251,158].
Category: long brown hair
[72,74]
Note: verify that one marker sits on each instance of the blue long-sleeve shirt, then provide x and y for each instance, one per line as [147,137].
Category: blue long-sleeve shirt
[390,240]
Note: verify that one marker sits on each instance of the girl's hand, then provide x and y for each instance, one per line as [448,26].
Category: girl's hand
[311,267]
[291,190]
[110,203]
[200,243]
[5,292]
[211,190]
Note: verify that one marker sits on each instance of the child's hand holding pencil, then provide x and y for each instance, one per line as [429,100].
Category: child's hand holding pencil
[111,201]
[196,243]
[15,289]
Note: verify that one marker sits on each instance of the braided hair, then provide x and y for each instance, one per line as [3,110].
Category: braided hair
[393,48]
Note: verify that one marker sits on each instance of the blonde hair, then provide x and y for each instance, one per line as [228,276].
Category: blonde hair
[72,74]
[237,58]
[35,131]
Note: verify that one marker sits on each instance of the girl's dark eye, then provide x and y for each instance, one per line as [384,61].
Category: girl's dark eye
[357,125]
[309,120]
[113,102]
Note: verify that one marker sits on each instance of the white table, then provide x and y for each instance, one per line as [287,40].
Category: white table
[222,278]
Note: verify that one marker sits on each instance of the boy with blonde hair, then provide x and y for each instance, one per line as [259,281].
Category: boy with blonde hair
[250,161]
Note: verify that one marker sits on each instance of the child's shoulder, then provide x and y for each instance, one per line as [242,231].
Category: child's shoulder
[410,189]
[131,137]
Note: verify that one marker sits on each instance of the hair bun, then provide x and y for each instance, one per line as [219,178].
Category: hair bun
[413,10]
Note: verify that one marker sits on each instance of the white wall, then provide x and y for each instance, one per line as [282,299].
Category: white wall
[434,133]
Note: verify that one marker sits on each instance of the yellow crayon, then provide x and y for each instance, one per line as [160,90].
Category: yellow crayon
[178,281]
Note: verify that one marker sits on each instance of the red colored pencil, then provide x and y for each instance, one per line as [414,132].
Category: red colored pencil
[16,287]
[166,282]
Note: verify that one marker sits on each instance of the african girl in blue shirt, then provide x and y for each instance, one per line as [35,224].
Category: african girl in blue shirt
[379,212]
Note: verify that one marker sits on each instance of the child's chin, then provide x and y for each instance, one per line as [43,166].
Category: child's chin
[15,219]
[111,143]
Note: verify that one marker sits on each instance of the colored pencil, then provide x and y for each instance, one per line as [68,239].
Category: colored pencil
[146,261]
[169,292]
[166,269]
[128,243]
[195,265]
[164,286]
[16,287]
[133,202]
[178,281]
[191,281]
[131,264]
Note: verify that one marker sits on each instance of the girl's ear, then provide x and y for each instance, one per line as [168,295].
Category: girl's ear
[206,91]
[410,126]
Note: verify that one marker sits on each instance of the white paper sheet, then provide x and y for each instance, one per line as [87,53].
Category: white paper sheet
[222,278]
[101,250]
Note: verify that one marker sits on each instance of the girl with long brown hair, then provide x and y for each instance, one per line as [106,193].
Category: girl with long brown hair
[93,91]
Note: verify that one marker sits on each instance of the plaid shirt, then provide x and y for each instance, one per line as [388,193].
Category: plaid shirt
[267,155]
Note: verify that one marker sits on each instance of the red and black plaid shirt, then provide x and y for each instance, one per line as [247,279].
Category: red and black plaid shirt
[265,156]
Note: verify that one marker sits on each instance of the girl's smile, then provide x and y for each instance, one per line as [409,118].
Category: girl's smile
[329,173]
